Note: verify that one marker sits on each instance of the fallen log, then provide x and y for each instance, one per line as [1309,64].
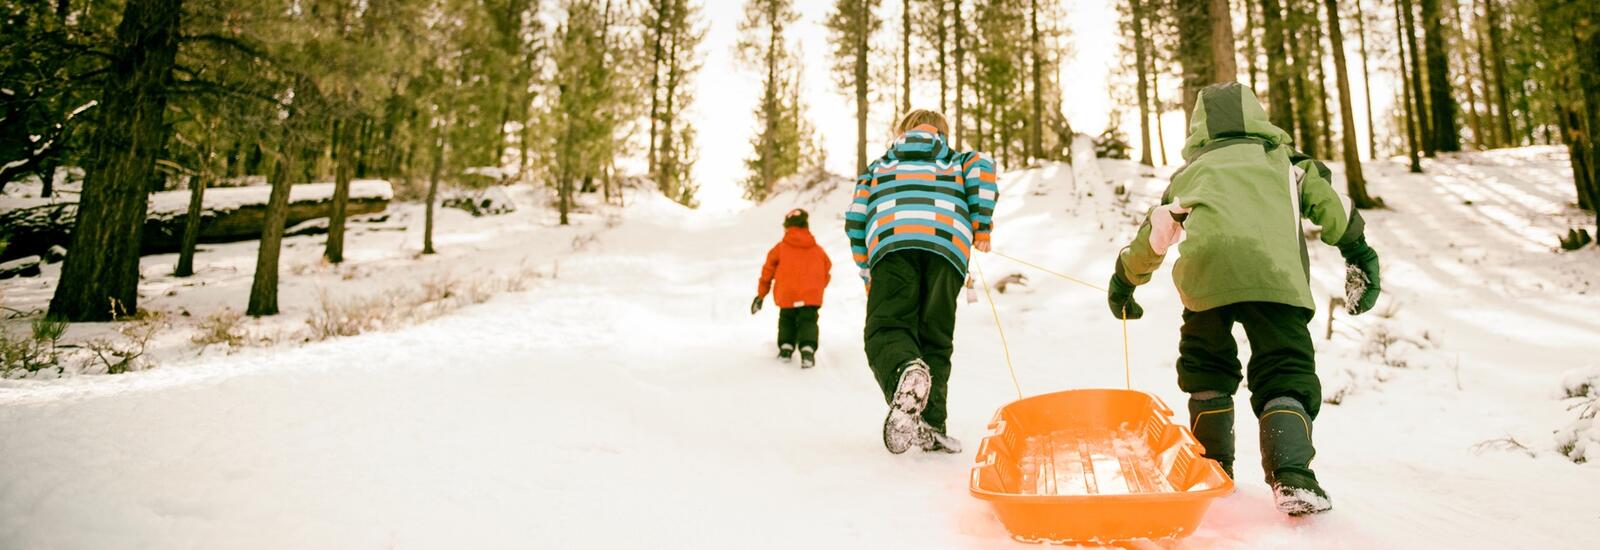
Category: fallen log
[229,214]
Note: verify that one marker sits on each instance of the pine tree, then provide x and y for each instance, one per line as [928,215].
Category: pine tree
[1280,91]
[764,44]
[1496,52]
[1136,16]
[851,27]
[129,135]
[1408,107]
[1419,108]
[1366,82]
[676,166]
[1442,103]
[1355,181]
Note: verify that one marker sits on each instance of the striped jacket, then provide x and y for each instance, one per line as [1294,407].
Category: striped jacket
[922,195]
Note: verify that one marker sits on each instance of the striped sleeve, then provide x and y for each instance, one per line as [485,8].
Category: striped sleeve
[855,219]
[982,192]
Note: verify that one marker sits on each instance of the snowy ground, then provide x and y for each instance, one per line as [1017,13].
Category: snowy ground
[382,259]
[631,402]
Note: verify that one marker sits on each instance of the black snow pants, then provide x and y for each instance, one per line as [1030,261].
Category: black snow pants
[911,314]
[798,326]
[1282,361]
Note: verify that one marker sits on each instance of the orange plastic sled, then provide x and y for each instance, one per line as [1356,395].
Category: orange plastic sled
[1095,466]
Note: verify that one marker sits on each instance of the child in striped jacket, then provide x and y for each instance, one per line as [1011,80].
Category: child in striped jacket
[917,214]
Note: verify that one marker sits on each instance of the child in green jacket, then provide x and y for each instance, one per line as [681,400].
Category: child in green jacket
[1240,200]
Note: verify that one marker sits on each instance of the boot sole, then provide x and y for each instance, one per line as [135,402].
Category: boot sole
[1300,502]
[905,409]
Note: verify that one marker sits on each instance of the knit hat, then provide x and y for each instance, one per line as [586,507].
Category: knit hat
[796,218]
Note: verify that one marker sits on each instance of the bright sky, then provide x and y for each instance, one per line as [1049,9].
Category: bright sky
[723,108]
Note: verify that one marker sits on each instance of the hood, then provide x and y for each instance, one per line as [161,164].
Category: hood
[799,236]
[921,143]
[1229,110]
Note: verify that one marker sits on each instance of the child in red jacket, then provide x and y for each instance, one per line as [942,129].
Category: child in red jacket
[801,269]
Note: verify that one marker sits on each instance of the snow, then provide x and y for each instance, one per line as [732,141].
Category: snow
[168,204]
[176,203]
[629,400]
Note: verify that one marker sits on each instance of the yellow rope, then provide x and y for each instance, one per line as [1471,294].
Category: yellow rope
[1041,268]
[997,326]
[1127,362]
[1127,366]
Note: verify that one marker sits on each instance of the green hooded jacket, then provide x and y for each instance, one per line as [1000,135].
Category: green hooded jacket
[1240,200]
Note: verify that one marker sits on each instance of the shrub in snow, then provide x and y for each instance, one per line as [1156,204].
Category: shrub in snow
[221,328]
[1580,440]
[436,296]
[1112,144]
[35,351]
[1576,239]
[124,354]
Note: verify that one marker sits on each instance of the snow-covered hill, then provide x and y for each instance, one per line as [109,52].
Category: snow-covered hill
[631,401]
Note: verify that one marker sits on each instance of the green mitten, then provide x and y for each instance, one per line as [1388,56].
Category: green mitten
[1361,282]
[1120,298]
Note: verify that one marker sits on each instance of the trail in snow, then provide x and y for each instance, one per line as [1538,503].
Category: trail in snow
[633,402]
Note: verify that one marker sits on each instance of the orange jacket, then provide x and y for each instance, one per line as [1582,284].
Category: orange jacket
[801,268]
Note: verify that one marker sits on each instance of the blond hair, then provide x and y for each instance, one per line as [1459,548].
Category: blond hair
[919,117]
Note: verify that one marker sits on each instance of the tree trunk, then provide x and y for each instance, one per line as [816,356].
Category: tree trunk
[1280,102]
[1250,45]
[1355,181]
[1493,137]
[47,179]
[671,164]
[1036,140]
[102,277]
[1496,51]
[1366,82]
[1195,52]
[655,82]
[770,110]
[1571,123]
[1325,115]
[905,56]
[1418,98]
[959,25]
[1588,69]
[944,30]
[1464,59]
[343,171]
[1408,107]
[1300,78]
[436,174]
[1441,103]
[862,51]
[191,222]
[1155,100]
[1224,61]
[264,288]
[1137,7]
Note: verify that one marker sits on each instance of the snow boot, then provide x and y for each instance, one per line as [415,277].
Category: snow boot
[808,357]
[936,441]
[902,427]
[1211,420]
[785,352]
[1286,453]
